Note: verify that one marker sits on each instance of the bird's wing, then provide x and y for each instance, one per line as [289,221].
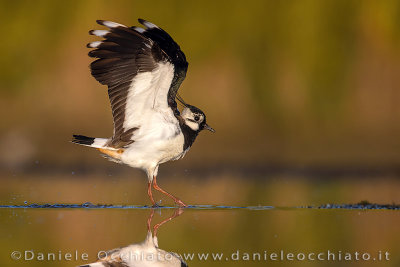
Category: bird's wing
[143,69]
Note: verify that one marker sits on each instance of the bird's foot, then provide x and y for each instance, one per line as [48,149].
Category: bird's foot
[157,204]
[180,203]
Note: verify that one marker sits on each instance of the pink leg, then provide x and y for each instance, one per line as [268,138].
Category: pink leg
[177,212]
[149,220]
[150,194]
[176,200]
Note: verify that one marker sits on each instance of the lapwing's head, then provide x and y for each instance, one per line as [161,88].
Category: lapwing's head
[195,119]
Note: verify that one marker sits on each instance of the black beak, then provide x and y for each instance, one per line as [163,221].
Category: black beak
[207,127]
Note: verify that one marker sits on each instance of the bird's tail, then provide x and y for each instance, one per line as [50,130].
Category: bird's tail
[89,141]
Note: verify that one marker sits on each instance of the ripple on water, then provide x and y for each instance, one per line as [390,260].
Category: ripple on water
[88,205]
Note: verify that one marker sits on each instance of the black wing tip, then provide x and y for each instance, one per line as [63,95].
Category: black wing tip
[148,24]
[90,53]
[100,21]
[143,21]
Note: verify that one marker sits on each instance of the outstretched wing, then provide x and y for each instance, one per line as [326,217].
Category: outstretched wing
[143,69]
[173,52]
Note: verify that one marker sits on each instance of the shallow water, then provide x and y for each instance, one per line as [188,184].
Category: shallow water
[276,221]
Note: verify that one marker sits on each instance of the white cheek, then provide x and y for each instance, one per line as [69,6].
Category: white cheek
[194,126]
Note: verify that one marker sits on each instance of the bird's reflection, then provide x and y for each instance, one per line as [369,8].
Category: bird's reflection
[146,253]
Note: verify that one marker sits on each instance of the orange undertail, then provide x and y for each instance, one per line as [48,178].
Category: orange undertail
[116,154]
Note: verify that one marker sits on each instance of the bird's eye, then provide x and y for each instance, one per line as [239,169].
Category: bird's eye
[196,118]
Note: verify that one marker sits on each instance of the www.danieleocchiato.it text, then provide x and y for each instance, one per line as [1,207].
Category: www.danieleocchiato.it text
[328,255]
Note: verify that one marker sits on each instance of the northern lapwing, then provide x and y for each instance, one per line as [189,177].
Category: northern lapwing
[143,68]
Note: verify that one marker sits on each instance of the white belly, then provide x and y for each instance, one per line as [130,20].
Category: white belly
[153,153]
[172,150]
[157,141]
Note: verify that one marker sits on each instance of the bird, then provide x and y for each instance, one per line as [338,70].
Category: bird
[146,253]
[143,68]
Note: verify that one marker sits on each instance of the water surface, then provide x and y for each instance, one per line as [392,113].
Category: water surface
[232,221]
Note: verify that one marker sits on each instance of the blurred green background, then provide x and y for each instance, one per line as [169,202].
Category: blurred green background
[304,96]
[283,82]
